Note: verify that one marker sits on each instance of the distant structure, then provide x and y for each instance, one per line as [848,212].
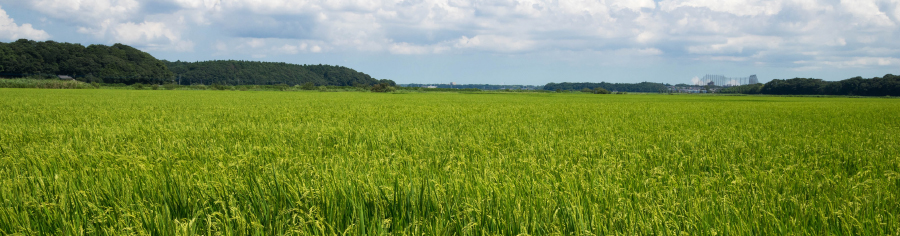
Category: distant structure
[721,80]
[753,79]
[452,83]
[65,77]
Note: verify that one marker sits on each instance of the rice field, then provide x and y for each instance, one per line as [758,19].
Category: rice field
[172,162]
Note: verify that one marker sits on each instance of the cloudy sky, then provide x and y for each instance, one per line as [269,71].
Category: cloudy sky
[493,41]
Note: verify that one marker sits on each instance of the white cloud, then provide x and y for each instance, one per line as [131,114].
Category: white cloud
[118,21]
[634,5]
[406,48]
[736,7]
[495,43]
[151,35]
[867,12]
[897,10]
[738,44]
[649,51]
[10,30]
[727,58]
[751,32]
[853,62]
[89,12]
[255,43]
[258,47]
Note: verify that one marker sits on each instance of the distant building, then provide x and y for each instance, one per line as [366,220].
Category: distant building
[753,79]
[452,83]
[65,77]
[431,86]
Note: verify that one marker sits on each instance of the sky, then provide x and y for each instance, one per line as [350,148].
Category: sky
[530,42]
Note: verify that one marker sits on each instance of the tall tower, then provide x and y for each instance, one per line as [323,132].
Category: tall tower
[753,79]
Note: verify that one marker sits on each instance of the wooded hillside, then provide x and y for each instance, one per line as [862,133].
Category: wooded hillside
[124,64]
[889,85]
[233,72]
[95,63]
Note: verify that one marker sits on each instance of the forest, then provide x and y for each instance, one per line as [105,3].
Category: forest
[889,85]
[232,72]
[642,87]
[476,86]
[123,64]
[95,63]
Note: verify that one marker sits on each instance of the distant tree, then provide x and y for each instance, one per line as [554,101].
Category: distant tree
[382,88]
[95,63]
[388,82]
[744,89]
[233,72]
[644,87]
[889,85]
[599,90]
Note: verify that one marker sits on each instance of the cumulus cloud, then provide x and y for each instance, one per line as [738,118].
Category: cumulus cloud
[119,21]
[755,32]
[12,31]
[734,7]
[866,12]
[263,47]
[406,48]
[852,62]
[738,44]
[153,35]
[495,43]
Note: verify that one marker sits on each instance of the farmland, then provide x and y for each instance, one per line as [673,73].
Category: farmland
[162,162]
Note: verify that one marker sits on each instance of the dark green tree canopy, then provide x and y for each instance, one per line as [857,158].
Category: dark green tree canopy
[643,87]
[124,64]
[889,85]
[233,72]
[95,63]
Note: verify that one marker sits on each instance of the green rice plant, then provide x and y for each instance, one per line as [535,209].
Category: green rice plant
[182,162]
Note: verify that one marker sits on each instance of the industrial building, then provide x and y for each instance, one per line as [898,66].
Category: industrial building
[723,81]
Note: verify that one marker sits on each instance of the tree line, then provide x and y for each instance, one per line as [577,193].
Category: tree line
[643,87]
[95,63]
[232,72]
[475,86]
[889,85]
[123,64]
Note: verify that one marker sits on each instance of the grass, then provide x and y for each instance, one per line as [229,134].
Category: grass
[172,162]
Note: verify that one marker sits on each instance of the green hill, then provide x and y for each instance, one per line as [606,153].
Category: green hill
[252,72]
[124,64]
[95,63]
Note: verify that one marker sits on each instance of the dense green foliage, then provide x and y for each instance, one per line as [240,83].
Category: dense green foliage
[44,83]
[126,65]
[476,86]
[642,87]
[889,85]
[599,90]
[743,89]
[95,63]
[253,72]
[163,162]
